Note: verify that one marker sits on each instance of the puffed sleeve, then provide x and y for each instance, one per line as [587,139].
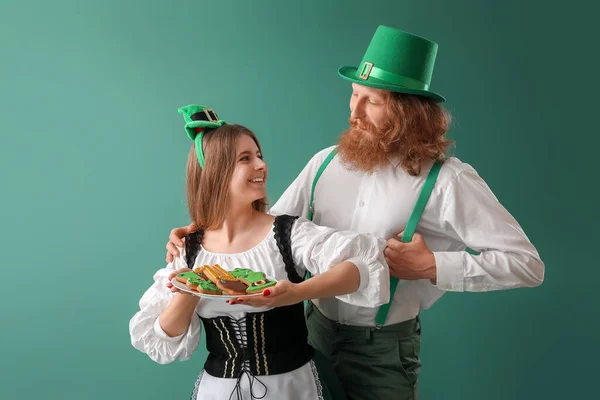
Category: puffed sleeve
[144,328]
[318,248]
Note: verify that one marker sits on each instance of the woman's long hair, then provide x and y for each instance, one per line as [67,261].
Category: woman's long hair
[208,188]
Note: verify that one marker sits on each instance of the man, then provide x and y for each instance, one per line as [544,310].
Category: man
[389,176]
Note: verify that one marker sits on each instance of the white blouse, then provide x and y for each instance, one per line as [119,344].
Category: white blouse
[314,248]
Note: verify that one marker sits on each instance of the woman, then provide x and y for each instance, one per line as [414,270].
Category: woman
[257,345]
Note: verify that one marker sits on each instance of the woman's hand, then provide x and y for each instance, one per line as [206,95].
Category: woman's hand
[172,275]
[284,293]
[175,319]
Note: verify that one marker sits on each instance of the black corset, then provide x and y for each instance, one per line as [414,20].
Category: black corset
[264,343]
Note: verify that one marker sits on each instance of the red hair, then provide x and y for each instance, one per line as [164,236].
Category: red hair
[417,130]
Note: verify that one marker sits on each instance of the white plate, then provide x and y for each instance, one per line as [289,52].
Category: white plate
[184,288]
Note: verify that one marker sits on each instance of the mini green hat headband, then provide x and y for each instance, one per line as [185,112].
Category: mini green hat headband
[197,120]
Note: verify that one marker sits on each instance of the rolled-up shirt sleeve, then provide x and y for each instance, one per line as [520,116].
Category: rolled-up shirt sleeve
[318,248]
[144,328]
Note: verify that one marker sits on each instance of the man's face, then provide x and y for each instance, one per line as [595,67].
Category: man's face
[368,110]
[361,146]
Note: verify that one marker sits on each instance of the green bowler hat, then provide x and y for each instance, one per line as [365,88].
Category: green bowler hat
[397,61]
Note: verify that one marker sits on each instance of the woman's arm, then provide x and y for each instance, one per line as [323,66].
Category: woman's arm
[175,319]
[342,278]
[319,248]
[165,327]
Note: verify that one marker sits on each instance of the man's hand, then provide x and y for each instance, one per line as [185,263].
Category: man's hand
[175,240]
[412,260]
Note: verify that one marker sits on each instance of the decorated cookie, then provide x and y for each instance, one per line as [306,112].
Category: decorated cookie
[256,281]
[198,283]
[235,288]
[200,272]
[215,272]
[207,287]
[189,278]
[224,280]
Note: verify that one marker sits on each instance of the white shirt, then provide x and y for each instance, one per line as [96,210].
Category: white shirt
[462,212]
[314,248]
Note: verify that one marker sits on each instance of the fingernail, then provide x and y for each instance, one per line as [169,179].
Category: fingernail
[226,301]
[240,300]
[266,292]
[180,244]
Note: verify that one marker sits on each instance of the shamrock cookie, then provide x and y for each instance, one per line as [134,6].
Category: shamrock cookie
[207,287]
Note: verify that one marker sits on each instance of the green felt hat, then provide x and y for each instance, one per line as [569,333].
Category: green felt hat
[397,61]
[197,120]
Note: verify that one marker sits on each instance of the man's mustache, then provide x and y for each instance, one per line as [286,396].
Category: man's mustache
[361,124]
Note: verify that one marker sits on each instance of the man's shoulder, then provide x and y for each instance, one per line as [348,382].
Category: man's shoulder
[453,169]
[322,154]
[319,157]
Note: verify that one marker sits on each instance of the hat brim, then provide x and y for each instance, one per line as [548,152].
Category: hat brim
[191,126]
[204,124]
[351,74]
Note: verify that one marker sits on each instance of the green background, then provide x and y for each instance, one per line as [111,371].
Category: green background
[92,161]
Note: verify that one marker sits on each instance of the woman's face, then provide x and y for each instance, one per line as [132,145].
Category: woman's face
[250,173]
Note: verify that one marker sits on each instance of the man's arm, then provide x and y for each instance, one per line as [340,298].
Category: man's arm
[472,215]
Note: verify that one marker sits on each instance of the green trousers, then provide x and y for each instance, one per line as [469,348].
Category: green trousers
[330,384]
[371,363]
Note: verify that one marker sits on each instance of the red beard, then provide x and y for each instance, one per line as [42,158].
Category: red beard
[360,147]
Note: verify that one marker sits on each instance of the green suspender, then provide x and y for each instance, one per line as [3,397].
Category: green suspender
[311,209]
[314,184]
[409,231]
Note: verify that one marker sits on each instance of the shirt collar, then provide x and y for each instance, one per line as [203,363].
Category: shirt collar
[395,160]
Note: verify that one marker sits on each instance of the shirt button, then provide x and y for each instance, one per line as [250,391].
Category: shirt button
[362,204]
